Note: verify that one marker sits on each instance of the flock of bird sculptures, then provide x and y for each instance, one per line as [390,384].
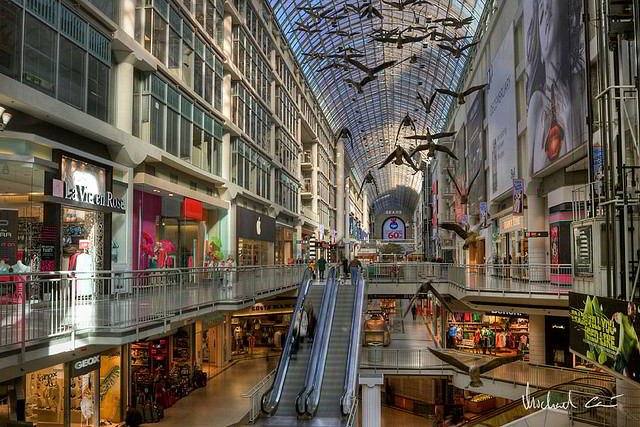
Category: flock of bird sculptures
[423,30]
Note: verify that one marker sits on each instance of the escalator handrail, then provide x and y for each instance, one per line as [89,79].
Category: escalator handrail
[271,398]
[313,397]
[353,358]
[319,333]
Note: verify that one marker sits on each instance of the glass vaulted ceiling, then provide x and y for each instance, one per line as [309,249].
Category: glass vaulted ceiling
[374,116]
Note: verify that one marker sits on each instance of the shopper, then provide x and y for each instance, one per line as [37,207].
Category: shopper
[133,417]
[354,267]
[312,267]
[413,312]
[322,264]
[345,267]
[296,332]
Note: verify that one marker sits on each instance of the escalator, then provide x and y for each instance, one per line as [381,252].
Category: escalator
[321,381]
[298,367]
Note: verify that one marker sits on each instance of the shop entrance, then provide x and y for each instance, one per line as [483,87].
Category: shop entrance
[183,233]
[82,240]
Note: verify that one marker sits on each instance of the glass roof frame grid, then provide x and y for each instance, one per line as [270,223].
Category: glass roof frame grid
[392,95]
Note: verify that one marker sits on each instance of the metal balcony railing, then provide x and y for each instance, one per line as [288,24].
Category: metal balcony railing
[520,372]
[40,306]
[528,278]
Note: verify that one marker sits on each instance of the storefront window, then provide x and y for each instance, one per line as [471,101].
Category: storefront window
[284,245]
[253,252]
[45,396]
[110,379]
[19,181]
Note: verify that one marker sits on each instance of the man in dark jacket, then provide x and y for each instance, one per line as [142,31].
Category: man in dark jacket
[133,417]
[322,264]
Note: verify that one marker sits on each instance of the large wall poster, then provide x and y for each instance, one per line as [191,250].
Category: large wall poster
[502,120]
[459,173]
[475,153]
[556,89]
[605,331]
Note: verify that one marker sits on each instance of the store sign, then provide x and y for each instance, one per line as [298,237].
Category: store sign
[605,331]
[192,209]
[8,235]
[85,183]
[82,193]
[505,313]
[393,229]
[510,222]
[255,226]
[531,234]
[83,366]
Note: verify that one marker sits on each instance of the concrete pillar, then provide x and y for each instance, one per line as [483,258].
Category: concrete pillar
[340,211]
[124,94]
[314,181]
[535,222]
[371,405]
[128,17]
[536,339]
[628,403]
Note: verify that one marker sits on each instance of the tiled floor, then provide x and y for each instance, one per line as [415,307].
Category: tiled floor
[219,404]
[395,417]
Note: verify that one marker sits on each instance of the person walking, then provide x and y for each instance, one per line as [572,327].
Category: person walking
[354,267]
[413,312]
[133,417]
[345,267]
[322,264]
[312,267]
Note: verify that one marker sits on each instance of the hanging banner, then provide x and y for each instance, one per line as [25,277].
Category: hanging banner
[597,160]
[556,76]
[459,174]
[484,214]
[605,331]
[475,150]
[502,120]
[518,196]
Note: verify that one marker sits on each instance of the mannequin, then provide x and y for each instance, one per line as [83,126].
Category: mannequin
[4,267]
[84,267]
[21,268]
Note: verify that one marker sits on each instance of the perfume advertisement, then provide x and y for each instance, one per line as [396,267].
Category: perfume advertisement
[556,87]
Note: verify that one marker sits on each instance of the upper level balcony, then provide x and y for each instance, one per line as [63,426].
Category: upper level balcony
[72,309]
[307,189]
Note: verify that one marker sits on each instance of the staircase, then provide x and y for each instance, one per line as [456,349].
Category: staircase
[298,368]
[336,364]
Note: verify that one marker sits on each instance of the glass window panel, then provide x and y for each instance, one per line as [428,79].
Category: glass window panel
[71,74]
[10,39]
[174,49]
[98,89]
[159,37]
[173,135]
[39,56]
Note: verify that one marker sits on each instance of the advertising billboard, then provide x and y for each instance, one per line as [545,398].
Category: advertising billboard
[459,173]
[475,153]
[393,229]
[605,331]
[556,80]
[502,121]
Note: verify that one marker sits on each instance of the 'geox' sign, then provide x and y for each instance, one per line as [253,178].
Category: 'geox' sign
[79,193]
[82,366]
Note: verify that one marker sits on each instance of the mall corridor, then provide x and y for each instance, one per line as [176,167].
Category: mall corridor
[220,403]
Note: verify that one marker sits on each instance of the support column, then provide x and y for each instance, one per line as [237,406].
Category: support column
[340,211]
[536,339]
[443,327]
[371,404]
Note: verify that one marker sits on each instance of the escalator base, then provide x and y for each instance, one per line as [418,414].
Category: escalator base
[276,421]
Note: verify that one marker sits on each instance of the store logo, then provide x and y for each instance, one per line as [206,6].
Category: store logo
[4,224]
[79,193]
[86,362]
[557,326]
[258,230]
